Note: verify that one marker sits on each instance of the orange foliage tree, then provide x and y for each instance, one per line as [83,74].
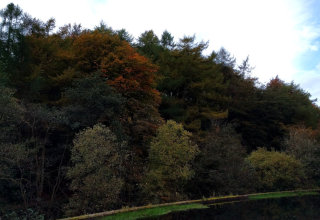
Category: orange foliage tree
[131,74]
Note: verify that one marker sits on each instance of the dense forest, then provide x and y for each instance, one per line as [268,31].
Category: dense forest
[94,120]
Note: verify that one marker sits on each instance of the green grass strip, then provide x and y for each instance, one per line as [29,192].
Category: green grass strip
[280,195]
[152,212]
[161,209]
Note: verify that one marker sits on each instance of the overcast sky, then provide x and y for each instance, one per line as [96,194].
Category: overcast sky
[281,37]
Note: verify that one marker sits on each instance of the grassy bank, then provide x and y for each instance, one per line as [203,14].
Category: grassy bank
[153,212]
[281,194]
[161,209]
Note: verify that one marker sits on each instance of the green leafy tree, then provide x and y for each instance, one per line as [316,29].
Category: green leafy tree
[26,146]
[291,103]
[124,35]
[11,41]
[225,58]
[245,68]
[14,157]
[276,170]
[96,172]
[192,86]
[149,45]
[90,101]
[167,40]
[103,28]
[301,144]
[10,114]
[10,29]
[170,157]
[220,167]
[15,164]
[264,116]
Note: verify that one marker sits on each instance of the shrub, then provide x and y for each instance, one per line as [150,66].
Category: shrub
[276,170]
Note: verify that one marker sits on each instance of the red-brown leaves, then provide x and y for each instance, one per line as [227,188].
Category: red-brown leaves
[127,71]
[132,75]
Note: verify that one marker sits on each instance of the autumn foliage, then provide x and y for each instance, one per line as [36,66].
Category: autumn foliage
[92,120]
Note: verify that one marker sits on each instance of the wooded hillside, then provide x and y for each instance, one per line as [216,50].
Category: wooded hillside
[93,120]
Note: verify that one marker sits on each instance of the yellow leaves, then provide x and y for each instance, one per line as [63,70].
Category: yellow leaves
[95,175]
[173,146]
[170,156]
[195,125]
[65,54]
[276,170]
[208,113]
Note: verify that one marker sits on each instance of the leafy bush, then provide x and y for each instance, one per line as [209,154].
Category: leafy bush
[276,170]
